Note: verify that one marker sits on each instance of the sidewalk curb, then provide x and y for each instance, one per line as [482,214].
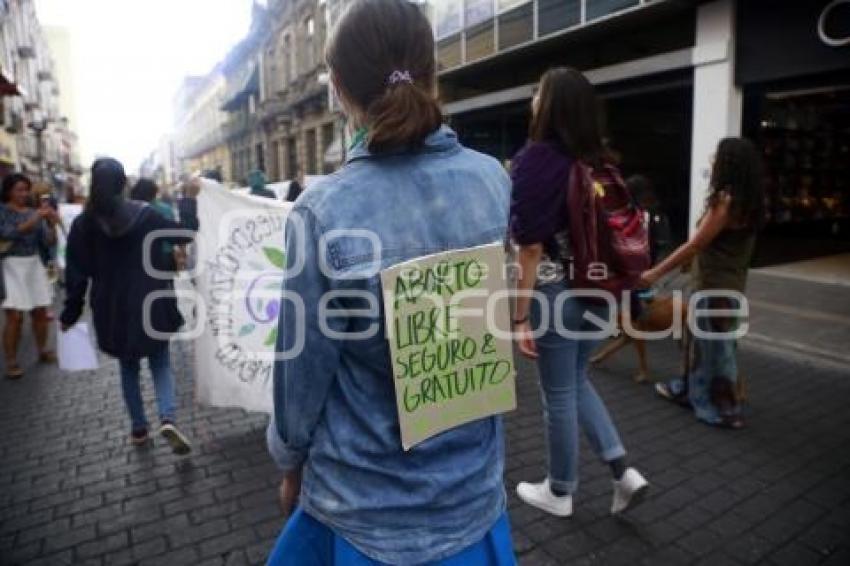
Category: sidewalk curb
[797,350]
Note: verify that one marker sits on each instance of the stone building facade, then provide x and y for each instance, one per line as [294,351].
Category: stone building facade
[303,135]
[36,136]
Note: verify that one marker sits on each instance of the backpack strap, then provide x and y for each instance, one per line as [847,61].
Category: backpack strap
[581,210]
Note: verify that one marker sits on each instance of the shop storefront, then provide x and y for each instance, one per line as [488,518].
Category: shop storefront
[795,79]
[649,126]
[8,153]
[638,54]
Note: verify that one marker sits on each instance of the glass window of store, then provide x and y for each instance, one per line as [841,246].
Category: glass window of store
[554,15]
[516,26]
[508,4]
[805,140]
[478,11]
[797,108]
[480,41]
[598,8]
[447,17]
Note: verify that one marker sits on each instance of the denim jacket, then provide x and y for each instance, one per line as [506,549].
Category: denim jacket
[335,407]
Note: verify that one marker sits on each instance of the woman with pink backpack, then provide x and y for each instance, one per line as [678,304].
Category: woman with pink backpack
[560,179]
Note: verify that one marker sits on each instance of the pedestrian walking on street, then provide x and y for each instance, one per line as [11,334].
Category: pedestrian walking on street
[657,220]
[25,232]
[106,247]
[723,246]
[42,193]
[565,127]
[407,180]
[257,183]
[146,190]
[294,191]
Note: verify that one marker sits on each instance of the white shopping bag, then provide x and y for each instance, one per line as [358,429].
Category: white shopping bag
[76,351]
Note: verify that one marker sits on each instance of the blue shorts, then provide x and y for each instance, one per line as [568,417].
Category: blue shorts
[307,542]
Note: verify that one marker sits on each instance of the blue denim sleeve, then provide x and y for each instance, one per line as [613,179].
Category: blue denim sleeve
[307,358]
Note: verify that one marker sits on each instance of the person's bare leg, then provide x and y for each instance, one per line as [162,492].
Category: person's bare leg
[11,338]
[40,330]
[643,366]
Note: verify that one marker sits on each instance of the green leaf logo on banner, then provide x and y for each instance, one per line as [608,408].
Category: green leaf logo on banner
[246,330]
[276,257]
[271,339]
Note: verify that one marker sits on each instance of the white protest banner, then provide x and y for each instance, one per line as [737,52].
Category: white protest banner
[240,265]
[67,213]
[450,367]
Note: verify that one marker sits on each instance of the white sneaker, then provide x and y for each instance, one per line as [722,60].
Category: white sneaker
[628,490]
[539,495]
[179,444]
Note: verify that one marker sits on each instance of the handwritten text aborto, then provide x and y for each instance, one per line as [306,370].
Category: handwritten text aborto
[450,366]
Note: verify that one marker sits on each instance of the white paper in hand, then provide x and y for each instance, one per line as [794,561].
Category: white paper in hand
[76,352]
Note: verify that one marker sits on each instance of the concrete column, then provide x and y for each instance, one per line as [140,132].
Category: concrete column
[718,101]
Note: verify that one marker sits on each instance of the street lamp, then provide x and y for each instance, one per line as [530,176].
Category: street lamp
[39,126]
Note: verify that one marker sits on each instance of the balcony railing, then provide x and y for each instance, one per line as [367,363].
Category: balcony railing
[203,144]
[238,125]
[273,108]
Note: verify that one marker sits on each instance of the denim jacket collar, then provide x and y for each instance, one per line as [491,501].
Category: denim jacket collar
[442,139]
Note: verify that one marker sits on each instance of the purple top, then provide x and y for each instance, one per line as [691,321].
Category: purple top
[541,176]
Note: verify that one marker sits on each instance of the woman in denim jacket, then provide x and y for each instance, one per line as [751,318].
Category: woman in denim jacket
[408,189]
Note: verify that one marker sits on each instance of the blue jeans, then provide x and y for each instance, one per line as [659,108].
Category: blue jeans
[711,384]
[569,399]
[163,382]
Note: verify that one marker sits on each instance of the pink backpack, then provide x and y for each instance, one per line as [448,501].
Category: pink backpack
[608,234]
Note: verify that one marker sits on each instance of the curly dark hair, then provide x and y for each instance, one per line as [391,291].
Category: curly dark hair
[737,170]
[9,182]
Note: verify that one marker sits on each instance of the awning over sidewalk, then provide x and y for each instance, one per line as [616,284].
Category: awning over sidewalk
[8,149]
[8,86]
[249,86]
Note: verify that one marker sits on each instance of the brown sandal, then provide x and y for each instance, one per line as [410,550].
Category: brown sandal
[14,371]
[47,357]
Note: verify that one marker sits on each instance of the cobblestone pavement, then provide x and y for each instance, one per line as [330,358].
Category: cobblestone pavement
[73,492]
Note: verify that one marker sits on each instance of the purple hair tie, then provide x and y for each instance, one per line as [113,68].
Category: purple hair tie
[399,77]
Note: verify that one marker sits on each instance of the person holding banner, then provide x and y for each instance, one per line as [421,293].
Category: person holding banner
[565,126]
[408,189]
[107,245]
[146,190]
[257,184]
[24,231]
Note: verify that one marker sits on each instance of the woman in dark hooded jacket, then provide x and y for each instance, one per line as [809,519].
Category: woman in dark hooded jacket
[106,245]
